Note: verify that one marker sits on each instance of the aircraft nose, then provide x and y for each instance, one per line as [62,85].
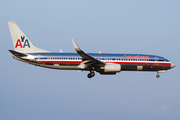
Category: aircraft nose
[172,65]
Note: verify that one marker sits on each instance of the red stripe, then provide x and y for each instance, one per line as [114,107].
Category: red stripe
[60,61]
[145,63]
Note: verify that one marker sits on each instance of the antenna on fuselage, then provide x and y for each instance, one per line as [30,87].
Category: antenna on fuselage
[61,51]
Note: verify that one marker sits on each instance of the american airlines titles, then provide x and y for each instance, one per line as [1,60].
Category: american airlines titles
[24,41]
[136,57]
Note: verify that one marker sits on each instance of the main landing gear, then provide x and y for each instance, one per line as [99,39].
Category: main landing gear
[91,74]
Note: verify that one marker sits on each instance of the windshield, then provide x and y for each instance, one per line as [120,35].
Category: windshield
[166,60]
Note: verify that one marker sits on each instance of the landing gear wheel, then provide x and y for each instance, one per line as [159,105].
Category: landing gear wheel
[89,75]
[92,74]
[157,76]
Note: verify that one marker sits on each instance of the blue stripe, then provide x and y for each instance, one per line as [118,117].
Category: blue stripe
[102,56]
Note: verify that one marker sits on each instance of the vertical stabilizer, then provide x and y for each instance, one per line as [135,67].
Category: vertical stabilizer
[21,42]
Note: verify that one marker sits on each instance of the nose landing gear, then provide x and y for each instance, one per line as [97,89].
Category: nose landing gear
[160,71]
[157,76]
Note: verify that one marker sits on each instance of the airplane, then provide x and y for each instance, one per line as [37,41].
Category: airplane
[103,63]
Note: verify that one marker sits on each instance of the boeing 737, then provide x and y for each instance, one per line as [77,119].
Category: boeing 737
[103,63]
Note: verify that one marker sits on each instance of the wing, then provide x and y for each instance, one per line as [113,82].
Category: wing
[88,60]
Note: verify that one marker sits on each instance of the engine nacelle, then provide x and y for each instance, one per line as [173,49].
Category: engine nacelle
[112,68]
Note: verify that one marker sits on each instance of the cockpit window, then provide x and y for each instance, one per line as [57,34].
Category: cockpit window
[166,60]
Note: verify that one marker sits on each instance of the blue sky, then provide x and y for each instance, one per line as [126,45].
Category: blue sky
[110,26]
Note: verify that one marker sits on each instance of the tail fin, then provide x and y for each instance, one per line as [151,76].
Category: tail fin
[21,42]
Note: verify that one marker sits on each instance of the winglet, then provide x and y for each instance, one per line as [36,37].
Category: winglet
[86,56]
[75,46]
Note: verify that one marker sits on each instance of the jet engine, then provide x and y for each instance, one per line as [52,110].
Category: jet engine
[112,68]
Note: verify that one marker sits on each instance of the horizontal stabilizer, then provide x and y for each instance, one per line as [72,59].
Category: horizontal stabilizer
[17,53]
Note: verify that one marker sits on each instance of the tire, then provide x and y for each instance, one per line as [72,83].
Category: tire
[92,74]
[157,76]
[89,75]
